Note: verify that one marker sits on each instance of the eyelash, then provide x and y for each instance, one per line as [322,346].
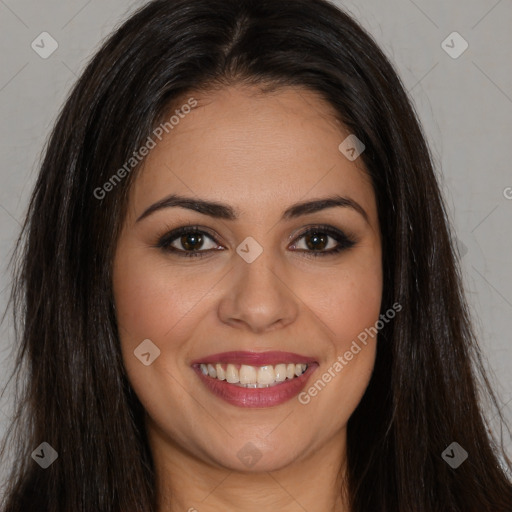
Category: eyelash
[344,242]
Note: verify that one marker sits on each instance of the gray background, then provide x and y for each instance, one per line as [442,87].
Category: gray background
[464,103]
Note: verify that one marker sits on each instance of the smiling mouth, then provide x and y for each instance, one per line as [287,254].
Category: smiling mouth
[255,379]
[248,376]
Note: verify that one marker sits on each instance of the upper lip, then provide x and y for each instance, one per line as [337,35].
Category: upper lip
[255,358]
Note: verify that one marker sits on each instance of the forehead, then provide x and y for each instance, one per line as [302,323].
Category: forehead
[257,151]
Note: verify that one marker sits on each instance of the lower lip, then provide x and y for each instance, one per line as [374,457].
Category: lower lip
[257,397]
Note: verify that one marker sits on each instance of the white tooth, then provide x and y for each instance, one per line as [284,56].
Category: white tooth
[204,369]
[232,374]
[221,374]
[266,375]
[211,371]
[280,372]
[304,367]
[290,370]
[298,370]
[247,374]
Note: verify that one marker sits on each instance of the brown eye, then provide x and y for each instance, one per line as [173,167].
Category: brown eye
[316,241]
[187,241]
[323,241]
[191,241]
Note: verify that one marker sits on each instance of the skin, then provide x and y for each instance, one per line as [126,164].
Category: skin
[259,153]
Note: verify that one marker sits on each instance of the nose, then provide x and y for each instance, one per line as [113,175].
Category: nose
[258,298]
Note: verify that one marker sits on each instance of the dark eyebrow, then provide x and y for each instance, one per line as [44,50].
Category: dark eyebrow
[226,212]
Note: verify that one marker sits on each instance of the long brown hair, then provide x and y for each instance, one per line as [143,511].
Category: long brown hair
[74,394]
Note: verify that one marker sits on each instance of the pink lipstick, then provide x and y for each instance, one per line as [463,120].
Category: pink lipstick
[255,379]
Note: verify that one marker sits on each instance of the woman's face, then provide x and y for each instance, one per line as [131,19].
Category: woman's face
[256,294]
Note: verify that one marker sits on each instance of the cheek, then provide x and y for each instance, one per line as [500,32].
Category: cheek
[356,307]
[147,308]
[151,299]
[151,306]
[349,299]
[348,304]
[161,302]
